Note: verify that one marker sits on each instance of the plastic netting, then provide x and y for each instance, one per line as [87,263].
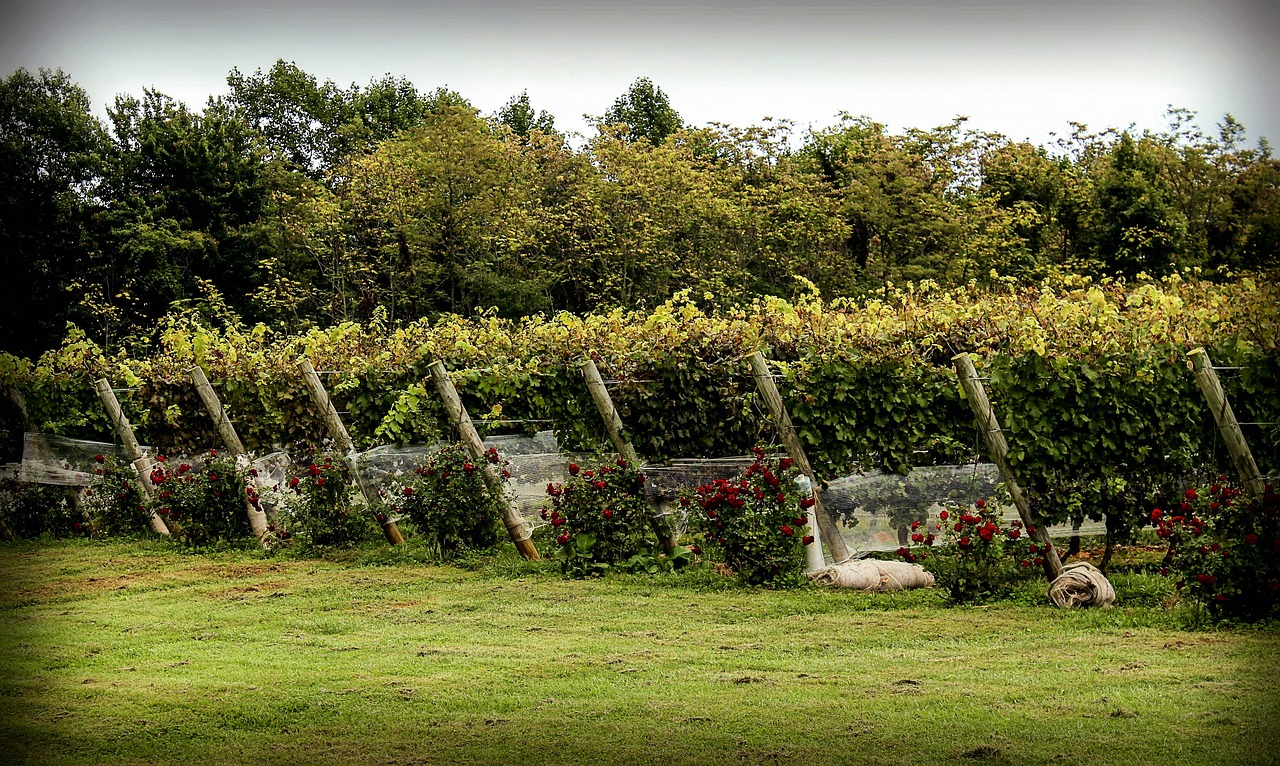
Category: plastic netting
[50,459]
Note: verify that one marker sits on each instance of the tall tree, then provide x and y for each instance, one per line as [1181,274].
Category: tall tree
[185,191]
[519,115]
[646,111]
[50,162]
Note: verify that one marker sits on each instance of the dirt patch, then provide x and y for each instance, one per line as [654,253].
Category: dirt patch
[258,590]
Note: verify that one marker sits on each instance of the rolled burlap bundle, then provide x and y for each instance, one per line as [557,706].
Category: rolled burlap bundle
[874,576]
[1082,584]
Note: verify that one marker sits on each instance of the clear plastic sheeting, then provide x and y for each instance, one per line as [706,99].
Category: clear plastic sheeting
[50,459]
[875,510]
[273,470]
[534,462]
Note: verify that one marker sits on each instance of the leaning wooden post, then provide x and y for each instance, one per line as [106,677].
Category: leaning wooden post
[999,451]
[826,528]
[475,447]
[613,425]
[343,441]
[257,519]
[1228,426]
[141,463]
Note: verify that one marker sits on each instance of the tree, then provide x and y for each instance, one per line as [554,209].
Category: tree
[50,159]
[646,112]
[312,126]
[519,115]
[1138,227]
[184,192]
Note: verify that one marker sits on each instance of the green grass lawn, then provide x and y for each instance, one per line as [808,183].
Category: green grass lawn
[131,653]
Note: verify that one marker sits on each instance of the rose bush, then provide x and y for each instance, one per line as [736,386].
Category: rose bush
[114,503]
[599,517]
[756,523]
[324,511]
[448,501]
[972,552]
[1224,549]
[202,503]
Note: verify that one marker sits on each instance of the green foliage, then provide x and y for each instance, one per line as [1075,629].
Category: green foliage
[757,523]
[600,518]
[1224,549]
[202,504]
[971,553]
[449,503]
[325,513]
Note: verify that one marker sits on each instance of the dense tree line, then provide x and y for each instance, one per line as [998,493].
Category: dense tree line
[298,203]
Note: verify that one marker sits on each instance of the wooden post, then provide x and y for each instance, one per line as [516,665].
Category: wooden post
[141,463]
[343,441]
[624,448]
[257,519]
[826,529]
[1246,467]
[475,447]
[999,451]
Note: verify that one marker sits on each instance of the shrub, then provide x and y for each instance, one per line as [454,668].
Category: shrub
[30,510]
[204,503]
[756,523]
[1224,550]
[971,552]
[114,503]
[449,502]
[599,517]
[324,513]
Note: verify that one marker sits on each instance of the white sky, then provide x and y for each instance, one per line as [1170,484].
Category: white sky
[1022,68]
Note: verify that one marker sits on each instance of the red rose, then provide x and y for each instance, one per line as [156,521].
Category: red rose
[1014,534]
[1251,539]
[786,530]
[944,515]
[468,468]
[1190,494]
[320,482]
[159,458]
[573,469]
[213,453]
[622,463]
[563,538]
[958,527]
[600,485]
[915,525]
[293,482]
[695,549]
[408,491]
[917,538]
[1039,561]
[313,470]
[557,521]
[784,463]
[1156,515]
[100,458]
[981,504]
[807,540]
[684,502]
[964,542]
[608,514]
[903,551]
[1025,563]
[806,503]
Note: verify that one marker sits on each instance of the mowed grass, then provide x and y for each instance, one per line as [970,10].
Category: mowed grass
[131,653]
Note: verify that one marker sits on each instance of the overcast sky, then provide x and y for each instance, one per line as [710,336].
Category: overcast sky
[1022,68]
